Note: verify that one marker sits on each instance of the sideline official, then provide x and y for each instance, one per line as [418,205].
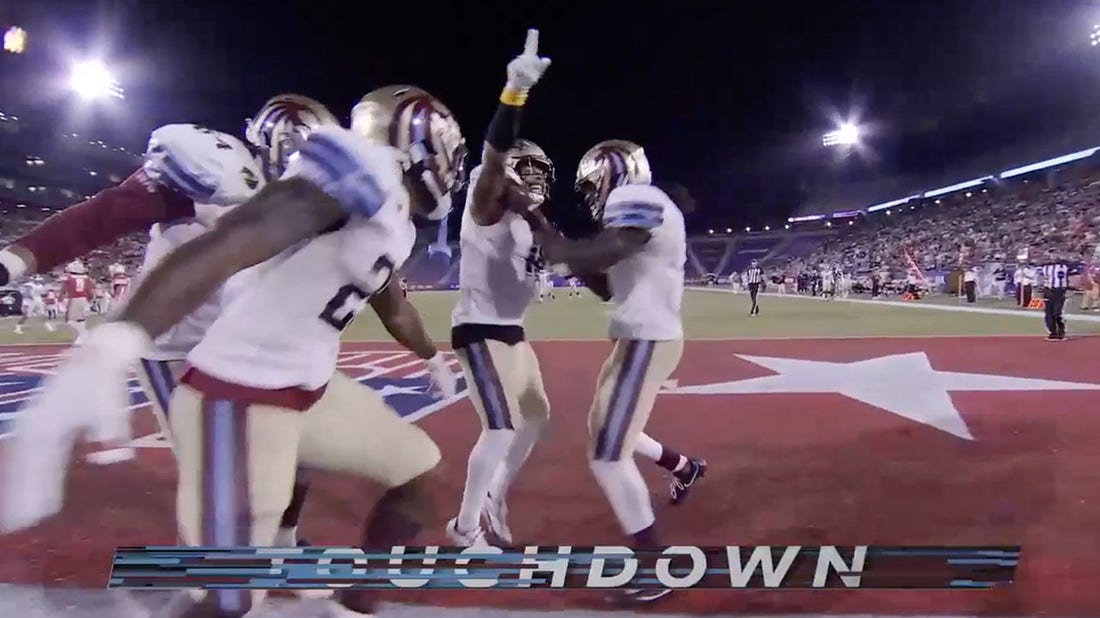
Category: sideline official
[1054,278]
[754,278]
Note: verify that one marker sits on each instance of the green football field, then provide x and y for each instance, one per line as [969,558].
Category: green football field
[707,315]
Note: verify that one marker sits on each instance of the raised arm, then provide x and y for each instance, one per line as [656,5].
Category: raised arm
[488,189]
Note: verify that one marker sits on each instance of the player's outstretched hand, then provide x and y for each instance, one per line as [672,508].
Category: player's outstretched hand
[87,394]
[525,70]
[444,383]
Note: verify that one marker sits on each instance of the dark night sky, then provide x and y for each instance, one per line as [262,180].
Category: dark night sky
[729,98]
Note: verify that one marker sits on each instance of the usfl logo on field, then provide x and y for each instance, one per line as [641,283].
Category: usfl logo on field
[400,377]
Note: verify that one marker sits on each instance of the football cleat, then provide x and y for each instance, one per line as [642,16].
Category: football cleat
[496,514]
[682,481]
[473,538]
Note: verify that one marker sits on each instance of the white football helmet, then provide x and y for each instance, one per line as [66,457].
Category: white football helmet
[425,134]
[607,165]
[75,267]
[281,127]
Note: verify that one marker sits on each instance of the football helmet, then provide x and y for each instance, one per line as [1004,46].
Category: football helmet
[607,165]
[282,125]
[75,267]
[425,134]
[533,167]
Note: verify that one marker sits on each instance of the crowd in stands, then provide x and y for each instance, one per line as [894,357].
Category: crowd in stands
[1059,218]
[1052,216]
[128,251]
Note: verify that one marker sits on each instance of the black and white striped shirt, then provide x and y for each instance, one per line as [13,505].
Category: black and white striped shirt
[753,275]
[1054,276]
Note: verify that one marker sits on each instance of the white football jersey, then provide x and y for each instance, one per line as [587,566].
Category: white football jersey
[497,270]
[283,329]
[216,171]
[648,287]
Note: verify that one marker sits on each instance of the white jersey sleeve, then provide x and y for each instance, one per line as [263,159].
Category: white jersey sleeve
[359,175]
[640,206]
[207,166]
[648,287]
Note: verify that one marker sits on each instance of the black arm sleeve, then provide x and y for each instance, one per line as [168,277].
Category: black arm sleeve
[503,128]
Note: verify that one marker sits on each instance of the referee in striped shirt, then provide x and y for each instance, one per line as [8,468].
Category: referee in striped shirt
[754,278]
[1055,279]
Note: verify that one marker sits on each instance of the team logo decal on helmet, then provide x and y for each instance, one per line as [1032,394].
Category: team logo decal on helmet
[424,132]
[282,126]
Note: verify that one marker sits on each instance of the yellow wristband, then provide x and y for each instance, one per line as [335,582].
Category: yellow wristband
[513,97]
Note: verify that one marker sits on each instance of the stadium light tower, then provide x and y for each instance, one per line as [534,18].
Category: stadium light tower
[1095,36]
[846,135]
[91,79]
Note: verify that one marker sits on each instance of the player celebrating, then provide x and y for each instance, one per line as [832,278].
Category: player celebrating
[642,248]
[335,228]
[498,277]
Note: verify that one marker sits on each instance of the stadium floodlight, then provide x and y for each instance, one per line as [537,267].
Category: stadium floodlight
[15,40]
[92,80]
[1095,36]
[846,135]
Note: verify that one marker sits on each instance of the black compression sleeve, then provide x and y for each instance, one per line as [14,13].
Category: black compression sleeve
[503,128]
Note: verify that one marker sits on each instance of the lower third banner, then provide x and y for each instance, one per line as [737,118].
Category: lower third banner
[601,567]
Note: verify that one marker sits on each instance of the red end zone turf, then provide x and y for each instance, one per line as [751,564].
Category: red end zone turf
[785,468]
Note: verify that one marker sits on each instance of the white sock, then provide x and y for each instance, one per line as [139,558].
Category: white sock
[527,435]
[625,488]
[81,329]
[486,456]
[648,447]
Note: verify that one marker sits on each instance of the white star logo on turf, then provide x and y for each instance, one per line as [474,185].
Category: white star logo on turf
[904,384]
[392,389]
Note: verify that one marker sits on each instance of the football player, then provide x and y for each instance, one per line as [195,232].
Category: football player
[190,176]
[77,292]
[499,272]
[33,304]
[261,395]
[642,250]
[120,284]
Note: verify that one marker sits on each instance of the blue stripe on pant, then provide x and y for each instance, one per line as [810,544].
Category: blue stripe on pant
[624,400]
[487,382]
[226,510]
[161,380]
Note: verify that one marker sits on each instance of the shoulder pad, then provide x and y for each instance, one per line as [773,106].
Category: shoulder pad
[641,206]
[205,165]
[359,175]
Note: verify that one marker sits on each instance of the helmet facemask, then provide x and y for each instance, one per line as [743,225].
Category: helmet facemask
[536,177]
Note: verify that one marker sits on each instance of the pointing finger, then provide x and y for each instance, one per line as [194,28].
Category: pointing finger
[532,44]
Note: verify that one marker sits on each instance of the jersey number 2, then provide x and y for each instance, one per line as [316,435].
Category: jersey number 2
[342,307]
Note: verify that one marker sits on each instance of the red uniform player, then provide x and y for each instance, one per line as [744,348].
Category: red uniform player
[77,291]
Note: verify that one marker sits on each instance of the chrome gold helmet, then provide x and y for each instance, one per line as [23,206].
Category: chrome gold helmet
[424,132]
[533,167]
[281,127]
[607,165]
